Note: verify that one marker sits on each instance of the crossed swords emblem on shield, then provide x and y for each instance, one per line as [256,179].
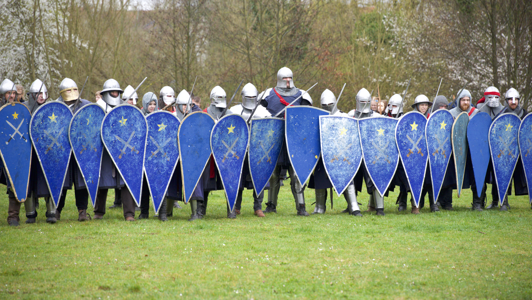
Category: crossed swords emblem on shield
[529,148]
[16,131]
[230,150]
[89,143]
[126,145]
[266,154]
[414,146]
[382,153]
[159,148]
[506,147]
[341,153]
[54,141]
[440,149]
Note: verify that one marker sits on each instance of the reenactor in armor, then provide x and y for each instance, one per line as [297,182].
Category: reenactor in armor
[8,93]
[490,103]
[275,100]
[210,179]
[167,99]
[422,104]
[109,176]
[249,102]
[376,201]
[69,95]
[319,179]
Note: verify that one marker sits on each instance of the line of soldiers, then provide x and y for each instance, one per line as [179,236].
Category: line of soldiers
[270,102]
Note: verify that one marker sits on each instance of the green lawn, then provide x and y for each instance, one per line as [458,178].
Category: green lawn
[457,254]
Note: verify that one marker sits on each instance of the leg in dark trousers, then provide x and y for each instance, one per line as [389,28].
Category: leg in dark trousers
[99,205]
[128,205]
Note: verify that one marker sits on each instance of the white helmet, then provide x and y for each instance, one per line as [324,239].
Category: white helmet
[183,98]
[109,86]
[127,93]
[397,101]
[284,72]
[218,97]
[421,99]
[327,100]
[492,96]
[249,96]
[36,87]
[68,89]
[167,94]
[363,100]
[7,86]
[512,94]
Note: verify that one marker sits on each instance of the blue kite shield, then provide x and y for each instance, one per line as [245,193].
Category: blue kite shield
[49,134]
[302,134]
[459,136]
[525,146]
[194,140]
[124,132]
[266,141]
[86,142]
[229,142]
[504,150]
[438,135]
[15,147]
[479,148]
[381,156]
[340,150]
[162,154]
[412,145]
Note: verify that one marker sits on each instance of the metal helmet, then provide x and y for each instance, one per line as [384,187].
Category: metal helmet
[68,89]
[167,94]
[327,100]
[397,101]
[218,97]
[492,96]
[363,100]
[249,96]
[109,86]
[7,86]
[183,98]
[127,93]
[512,94]
[36,87]
[421,99]
[284,72]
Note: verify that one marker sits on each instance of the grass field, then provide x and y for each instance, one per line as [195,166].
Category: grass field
[456,254]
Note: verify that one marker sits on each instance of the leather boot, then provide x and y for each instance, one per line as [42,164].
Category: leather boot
[83,216]
[204,204]
[415,209]
[170,207]
[379,203]
[494,204]
[371,203]
[321,198]
[401,200]
[273,192]
[434,206]
[162,211]
[13,212]
[50,211]
[298,191]
[194,210]
[31,212]
[505,206]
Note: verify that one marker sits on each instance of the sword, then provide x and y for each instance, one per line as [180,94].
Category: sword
[437,92]
[126,145]
[231,101]
[341,154]
[230,150]
[381,152]
[16,131]
[506,148]
[337,100]
[159,148]
[529,148]
[365,105]
[306,92]
[138,86]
